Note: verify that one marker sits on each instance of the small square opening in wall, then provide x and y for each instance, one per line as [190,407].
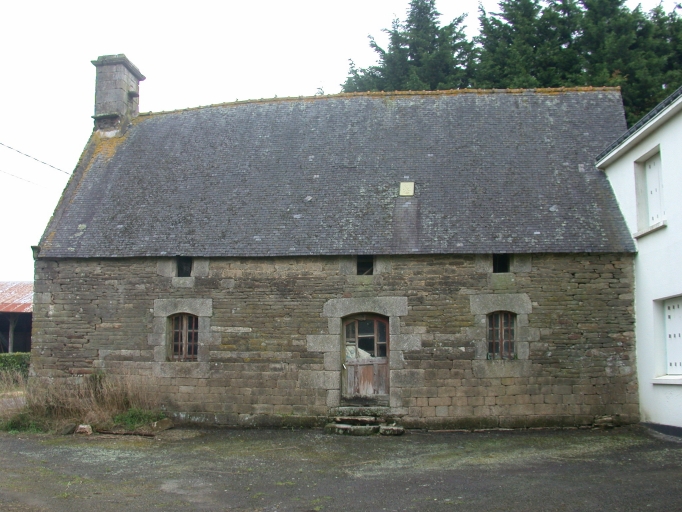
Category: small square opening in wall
[501,263]
[184,266]
[365,265]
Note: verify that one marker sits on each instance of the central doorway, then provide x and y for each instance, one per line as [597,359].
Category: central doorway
[365,375]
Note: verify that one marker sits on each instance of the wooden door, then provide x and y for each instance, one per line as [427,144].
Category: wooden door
[366,365]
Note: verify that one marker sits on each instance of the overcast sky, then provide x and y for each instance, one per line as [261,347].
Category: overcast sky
[199,54]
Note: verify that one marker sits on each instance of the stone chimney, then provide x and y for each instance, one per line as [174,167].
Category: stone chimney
[117,92]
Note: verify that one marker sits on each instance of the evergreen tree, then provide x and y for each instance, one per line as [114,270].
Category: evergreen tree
[629,49]
[534,43]
[666,41]
[559,60]
[527,44]
[608,32]
[421,55]
[561,43]
[509,42]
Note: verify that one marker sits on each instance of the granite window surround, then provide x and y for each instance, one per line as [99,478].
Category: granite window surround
[518,263]
[519,304]
[168,267]
[332,344]
[161,338]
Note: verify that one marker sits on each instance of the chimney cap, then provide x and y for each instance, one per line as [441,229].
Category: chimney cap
[106,60]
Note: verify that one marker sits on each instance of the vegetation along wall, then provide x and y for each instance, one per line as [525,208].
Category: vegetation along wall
[435,341]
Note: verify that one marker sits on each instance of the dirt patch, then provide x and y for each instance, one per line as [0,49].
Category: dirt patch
[280,470]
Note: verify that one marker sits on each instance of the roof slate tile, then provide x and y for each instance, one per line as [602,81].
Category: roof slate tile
[493,173]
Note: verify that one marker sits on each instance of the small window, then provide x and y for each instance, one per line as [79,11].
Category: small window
[184,337]
[501,335]
[365,265]
[184,266]
[501,263]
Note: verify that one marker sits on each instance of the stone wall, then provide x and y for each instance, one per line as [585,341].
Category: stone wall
[270,335]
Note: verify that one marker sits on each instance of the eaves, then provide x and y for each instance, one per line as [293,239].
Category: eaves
[660,115]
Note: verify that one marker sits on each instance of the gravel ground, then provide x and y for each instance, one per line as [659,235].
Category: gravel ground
[281,470]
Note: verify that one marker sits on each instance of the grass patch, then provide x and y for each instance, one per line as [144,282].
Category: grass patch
[22,422]
[135,418]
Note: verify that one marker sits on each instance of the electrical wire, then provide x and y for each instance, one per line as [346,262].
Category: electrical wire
[34,158]
[20,178]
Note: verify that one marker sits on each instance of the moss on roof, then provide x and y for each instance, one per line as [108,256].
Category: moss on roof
[494,172]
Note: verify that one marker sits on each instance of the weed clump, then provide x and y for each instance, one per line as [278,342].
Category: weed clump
[16,363]
[22,422]
[135,418]
[99,400]
[12,402]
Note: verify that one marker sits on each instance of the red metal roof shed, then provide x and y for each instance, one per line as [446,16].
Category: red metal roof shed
[16,297]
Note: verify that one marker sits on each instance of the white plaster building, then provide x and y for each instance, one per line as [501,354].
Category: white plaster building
[644,167]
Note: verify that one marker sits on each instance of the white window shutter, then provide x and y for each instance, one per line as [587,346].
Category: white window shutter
[652,168]
[673,335]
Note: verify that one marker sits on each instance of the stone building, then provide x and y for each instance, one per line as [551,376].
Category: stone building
[450,258]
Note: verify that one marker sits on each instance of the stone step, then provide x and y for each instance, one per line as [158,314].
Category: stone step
[391,430]
[359,420]
[351,430]
[345,411]
[363,430]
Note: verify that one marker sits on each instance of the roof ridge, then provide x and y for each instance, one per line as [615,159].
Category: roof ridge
[388,94]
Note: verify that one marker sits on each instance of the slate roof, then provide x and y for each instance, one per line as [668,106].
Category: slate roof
[494,171]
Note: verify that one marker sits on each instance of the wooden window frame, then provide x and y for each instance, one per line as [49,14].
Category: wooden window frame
[501,327]
[355,340]
[184,337]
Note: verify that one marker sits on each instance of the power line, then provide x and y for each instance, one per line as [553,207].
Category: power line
[20,178]
[34,158]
